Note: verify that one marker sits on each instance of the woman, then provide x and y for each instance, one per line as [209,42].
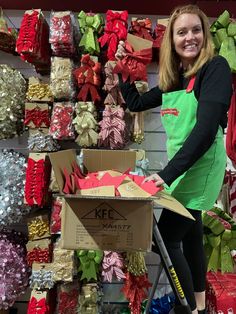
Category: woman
[194,92]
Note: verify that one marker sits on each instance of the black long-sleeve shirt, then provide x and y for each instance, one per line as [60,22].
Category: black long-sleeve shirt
[212,89]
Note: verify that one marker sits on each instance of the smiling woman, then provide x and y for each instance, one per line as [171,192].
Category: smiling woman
[188,38]
[194,102]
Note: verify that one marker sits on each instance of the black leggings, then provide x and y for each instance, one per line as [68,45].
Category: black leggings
[189,263]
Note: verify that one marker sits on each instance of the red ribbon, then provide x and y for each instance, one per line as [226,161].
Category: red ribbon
[136,290]
[68,302]
[88,79]
[142,28]
[115,30]
[37,181]
[32,42]
[133,65]
[56,217]
[38,117]
[39,255]
[38,306]
[159,32]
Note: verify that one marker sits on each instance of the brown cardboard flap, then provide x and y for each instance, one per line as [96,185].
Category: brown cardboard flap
[62,160]
[97,159]
[99,191]
[139,43]
[165,200]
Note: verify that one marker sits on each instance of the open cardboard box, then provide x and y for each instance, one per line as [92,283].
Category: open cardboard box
[101,220]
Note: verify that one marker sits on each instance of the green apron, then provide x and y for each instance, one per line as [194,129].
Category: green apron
[198,187]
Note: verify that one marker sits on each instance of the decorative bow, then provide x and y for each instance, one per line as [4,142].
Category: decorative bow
[88,78]
[219,240]
[142,28]
[85,124]
[38,117]
[37,306]
[112,265]
[111,86]
[89,263]
[90,25]
[133,65]
[115,30]
[113,128]
[135,290]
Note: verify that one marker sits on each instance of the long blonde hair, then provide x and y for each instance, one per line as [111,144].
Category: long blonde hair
[170,61]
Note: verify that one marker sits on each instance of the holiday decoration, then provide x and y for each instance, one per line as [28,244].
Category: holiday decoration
[12,95]
[12,177]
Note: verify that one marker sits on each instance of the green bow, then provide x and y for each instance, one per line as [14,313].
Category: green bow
[219,240]
[90,26]
[89,263]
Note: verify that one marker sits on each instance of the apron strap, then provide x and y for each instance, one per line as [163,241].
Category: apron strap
[190,84]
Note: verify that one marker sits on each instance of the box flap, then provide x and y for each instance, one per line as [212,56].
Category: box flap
[62,160]
[138,43]
[97,159]
[165,200]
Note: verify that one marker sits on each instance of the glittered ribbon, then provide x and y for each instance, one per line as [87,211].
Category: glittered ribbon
[62,34]
[113,129]
[89,298]
[90,26]
[7,36]
[39,91]
[133,65]
[37,306]
[41,279]
[61,126]
[135,263]
[112,265]
[115,30]
[89,263]
[142,28]
[135,290]
[68,301]
[37,228]
[220,239]
[39,255]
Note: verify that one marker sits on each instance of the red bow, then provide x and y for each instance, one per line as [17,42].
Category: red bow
[88,78]
[37,306]
[133,65]
[142,28]
[115,30]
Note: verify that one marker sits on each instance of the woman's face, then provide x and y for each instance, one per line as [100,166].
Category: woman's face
[188,37]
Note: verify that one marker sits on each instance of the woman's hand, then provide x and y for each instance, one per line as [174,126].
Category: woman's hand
[155,178]
[120,53]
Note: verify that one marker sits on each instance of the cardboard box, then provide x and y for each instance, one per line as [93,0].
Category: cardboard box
[107,223]
[101,221]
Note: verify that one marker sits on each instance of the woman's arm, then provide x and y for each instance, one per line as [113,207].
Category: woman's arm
[213,103]
[135,102]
